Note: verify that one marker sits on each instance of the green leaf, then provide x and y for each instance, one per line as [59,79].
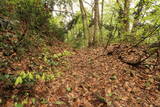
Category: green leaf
[30,76]
[7,76]
[38,76]
[59,102]
[113,77]
[110,94]
[13,96]
[40,67]
[33,100]
[55,56]
[18,105]
[59,54]
[66,53]
[109,103]
[18,81]
[100,98]
[25,101]
[43,76]
[147,84]
[45,59]
[44,101]
[23,74]
[69,89]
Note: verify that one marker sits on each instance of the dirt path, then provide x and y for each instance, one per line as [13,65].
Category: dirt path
[104,82]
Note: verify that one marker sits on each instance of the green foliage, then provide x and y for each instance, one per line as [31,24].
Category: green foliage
[25,101]
[75,34]
[7,78]
[110,94]
[26,25]
[32,77]
[43,101]
[16,37]
[64,53]
[18,81]
[34,19]
[59,102]
[33,100]
[28,78]
[10,44]
[113,77]
[69,89]
[57,27]
[18,105]
[101,98]
[52,59]
[38,15]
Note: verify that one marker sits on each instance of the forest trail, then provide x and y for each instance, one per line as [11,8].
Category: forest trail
[52,53]
[102,82]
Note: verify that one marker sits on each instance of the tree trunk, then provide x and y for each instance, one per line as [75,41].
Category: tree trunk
[96,37]
[126,15]
[85,23]
[126,19]
[119,19]
[137,15]
[101,21]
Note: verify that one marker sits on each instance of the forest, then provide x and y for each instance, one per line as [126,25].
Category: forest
[79,53]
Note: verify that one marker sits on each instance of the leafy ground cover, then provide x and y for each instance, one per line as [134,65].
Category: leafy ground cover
[88,79]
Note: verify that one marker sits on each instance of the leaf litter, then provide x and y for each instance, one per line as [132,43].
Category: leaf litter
[105,81]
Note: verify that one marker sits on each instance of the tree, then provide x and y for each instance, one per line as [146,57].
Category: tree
[85,23]
[96,34]
[123,18]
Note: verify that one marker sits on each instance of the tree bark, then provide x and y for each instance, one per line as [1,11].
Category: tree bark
[126,15]
[101,21]
[96,37]
[123,19]
[85,23]
[137,15]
